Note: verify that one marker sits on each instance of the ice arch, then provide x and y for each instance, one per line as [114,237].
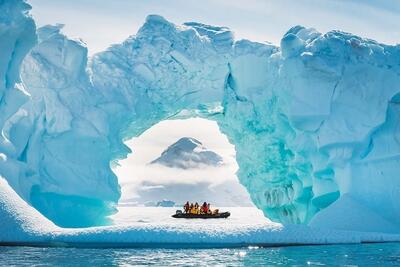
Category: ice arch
[313,120]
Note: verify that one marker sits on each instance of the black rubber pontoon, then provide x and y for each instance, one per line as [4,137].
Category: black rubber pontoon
[202,216]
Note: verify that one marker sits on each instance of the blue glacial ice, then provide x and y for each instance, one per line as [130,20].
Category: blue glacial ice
[315,121]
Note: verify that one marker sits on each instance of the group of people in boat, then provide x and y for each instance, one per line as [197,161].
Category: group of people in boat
[197,209]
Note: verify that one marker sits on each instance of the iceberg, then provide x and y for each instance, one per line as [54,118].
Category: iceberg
[166,203]
[314,121]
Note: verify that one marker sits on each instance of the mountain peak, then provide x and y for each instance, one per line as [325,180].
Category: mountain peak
[188,153]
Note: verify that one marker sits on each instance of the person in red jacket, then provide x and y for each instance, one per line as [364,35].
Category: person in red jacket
[204,208]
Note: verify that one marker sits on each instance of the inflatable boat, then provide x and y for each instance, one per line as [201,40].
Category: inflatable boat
[179,214]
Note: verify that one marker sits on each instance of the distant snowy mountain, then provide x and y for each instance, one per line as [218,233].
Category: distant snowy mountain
[188,153]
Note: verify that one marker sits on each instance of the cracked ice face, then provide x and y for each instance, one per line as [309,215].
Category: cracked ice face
[311,120]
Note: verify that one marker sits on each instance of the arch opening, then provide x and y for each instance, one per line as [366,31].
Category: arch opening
[180,160]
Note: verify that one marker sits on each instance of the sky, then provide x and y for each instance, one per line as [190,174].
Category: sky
[102,23]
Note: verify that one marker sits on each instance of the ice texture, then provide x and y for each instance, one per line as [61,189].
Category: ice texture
[70,187]
[312,120]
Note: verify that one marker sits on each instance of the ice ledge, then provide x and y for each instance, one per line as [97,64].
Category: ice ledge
[23,225]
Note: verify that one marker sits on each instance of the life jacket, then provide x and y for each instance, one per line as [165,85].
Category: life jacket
[205,209]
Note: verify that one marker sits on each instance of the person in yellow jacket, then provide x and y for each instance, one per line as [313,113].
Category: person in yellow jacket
[191,208]
[196,207]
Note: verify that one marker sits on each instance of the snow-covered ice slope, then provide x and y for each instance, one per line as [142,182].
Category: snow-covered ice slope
[312,120]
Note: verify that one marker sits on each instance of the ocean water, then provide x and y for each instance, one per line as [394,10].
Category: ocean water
[386,254]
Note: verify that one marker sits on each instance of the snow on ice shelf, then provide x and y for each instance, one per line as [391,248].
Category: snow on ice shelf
[155,228]
[314,121]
